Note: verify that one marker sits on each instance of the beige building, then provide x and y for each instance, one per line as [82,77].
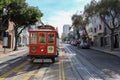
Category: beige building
[8,29]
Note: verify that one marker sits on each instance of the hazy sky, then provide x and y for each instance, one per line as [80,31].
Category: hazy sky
[58,12]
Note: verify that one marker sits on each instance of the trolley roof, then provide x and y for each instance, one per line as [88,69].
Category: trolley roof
[44,28]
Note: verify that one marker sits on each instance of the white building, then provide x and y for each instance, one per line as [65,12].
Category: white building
[98,31]
[89,29]
[24,38]
[102,34]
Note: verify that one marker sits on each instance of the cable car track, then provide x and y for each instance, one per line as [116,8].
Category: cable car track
[81,63]
[38,71]
[91,62]
[89,59]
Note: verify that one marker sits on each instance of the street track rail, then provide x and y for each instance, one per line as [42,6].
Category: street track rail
[35,71]
[79,67]
[96,68]
[91,68]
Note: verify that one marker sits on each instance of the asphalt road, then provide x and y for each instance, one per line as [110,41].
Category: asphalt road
[73,64]
[94,65]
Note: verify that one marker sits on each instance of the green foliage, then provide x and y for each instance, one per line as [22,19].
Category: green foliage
[63,36]
[20,13]
[90,9]
[79,22]
[33,15]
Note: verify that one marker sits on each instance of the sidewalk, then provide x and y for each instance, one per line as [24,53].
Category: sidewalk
[10,51]
[107,50]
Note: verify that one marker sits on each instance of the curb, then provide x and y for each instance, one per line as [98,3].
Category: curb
[13,52]
[108,52]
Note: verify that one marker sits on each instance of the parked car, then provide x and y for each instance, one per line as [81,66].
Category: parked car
[73,42]
[78,43]
[84,45]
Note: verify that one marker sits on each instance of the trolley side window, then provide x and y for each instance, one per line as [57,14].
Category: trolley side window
[42,38]
[33,38]
[51,38]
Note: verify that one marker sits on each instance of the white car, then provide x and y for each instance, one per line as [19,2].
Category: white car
[84,45]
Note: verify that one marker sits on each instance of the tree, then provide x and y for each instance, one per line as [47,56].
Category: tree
[107,10]
[70,36]
[3,14]
[63,36]
[76,23]
[80,22]
[22,15]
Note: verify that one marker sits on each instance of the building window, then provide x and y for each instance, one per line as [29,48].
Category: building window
[95,30]
[100,27]
[105,30]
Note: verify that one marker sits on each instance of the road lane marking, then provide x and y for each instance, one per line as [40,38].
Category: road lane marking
[59,72]
[61,68]
[19,71]
[2,77]
[63,75]
[30,74]
[15,60]
[34,74]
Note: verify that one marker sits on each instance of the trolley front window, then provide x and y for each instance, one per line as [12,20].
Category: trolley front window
[51,38]
[42,38]
[33,38]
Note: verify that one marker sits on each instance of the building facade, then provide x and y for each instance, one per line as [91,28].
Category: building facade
[66,29]
[102,34]
[8,29]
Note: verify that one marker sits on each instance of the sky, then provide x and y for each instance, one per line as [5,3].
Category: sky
[58,12]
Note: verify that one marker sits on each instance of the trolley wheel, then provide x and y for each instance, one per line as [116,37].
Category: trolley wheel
[53,60]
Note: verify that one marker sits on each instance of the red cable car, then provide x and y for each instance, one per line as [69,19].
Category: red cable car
[43,43]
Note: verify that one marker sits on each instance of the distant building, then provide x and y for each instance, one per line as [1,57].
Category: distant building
[66,29]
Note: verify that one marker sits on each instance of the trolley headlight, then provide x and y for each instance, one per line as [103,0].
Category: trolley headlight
[33,49]
[42,50]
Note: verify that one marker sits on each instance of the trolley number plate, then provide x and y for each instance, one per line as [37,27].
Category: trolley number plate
[50,49]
